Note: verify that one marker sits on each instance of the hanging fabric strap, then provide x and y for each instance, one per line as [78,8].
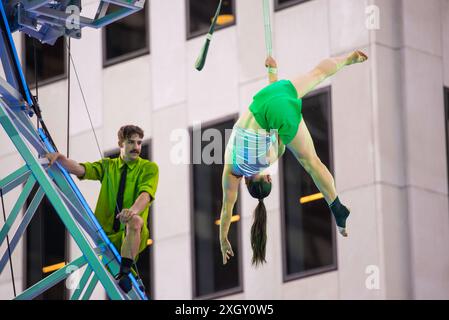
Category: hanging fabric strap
[267,23]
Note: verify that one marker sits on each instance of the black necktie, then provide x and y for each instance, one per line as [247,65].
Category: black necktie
[119,204]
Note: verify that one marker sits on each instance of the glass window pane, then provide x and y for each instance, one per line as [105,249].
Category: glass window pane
[50,60]
[45,246]
[201,13]
[308,226]
[127,37]
[281,4]
[211,277]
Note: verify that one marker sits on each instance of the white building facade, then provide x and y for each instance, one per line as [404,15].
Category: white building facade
[389,139]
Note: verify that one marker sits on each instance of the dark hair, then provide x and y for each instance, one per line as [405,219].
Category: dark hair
[259,190]
[127,131]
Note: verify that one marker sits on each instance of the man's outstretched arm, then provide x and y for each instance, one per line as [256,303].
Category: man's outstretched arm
[70,165]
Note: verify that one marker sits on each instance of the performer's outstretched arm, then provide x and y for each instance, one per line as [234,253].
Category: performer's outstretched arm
[230,185]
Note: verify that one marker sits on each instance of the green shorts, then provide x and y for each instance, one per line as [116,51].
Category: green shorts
[277,107]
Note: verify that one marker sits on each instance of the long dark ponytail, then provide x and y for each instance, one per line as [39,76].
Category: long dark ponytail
[259,189]
[259,234]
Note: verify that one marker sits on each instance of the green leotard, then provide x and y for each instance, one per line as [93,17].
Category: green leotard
[277,107]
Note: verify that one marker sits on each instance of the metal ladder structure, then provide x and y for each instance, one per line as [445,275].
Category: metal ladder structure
[46,20]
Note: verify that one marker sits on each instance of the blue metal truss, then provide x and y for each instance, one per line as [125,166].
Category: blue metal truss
[47,20]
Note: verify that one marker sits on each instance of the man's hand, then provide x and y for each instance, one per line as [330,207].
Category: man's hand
[52,157]
[226,250]
[126,215]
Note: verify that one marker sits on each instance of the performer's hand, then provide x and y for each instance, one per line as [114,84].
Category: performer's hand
[226,250]
[52,157]
[270,62]
[125,215]
[356,57]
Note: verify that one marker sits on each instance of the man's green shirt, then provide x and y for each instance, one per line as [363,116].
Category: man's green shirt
[142,176]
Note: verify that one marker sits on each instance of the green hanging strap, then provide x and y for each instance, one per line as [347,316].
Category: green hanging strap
[201,60]
[266,17]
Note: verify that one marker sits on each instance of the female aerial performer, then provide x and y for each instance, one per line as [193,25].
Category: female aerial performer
[258,139]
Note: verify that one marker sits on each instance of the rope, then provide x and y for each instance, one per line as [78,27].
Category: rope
[38,121]
[267,23]
[35,100]
[9,248]
[36,82]
[88,113]
[68,101]
[35,78]
[85,103]
[87,109]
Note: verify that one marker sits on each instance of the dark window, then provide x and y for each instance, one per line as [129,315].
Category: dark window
[50,61]
[308,229]
[446,103]
[200,14]
[282,4]
[126,38]
[145,260]
[45,248]
[211,278]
